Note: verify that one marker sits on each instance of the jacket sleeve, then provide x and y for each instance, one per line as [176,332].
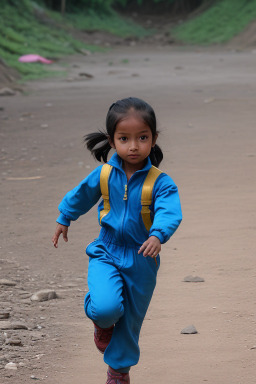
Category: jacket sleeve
[80,199]
[166,208]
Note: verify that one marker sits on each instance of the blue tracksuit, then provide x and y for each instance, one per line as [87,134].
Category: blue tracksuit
[121,281]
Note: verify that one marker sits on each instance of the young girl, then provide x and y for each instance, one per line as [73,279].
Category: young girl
[136,215]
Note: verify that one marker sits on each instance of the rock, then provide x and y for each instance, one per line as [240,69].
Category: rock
[44,295]
[10,366]
[7,282]
[84,51]
[189,330]
[193,279]
[2,339]
[87,75]
[7,92]
[4,325]
[13,341]
[4,315]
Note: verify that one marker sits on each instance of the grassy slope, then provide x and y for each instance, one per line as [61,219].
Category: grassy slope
[218,24]
[30,29]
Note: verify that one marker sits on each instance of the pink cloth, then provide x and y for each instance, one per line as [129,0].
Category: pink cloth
[34,58]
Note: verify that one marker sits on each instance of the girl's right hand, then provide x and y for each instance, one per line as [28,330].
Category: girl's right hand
[60,229]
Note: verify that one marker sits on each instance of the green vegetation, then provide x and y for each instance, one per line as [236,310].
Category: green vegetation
[27,28]
[111,23]
[220,23]
[37,27]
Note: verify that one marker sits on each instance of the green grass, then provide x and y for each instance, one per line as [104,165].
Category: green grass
[21,32]
[111,23]
[218,24]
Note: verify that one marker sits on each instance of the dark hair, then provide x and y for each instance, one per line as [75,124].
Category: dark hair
[98,142]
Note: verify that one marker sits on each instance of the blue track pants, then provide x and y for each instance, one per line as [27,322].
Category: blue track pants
[121,284]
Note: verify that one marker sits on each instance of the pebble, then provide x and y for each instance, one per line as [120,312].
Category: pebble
[44,295]
[193,279]
[7,92]
[4,325]
[189,330]
[14,341]
[4,315]
[87,75]
[7,282]
[10,366]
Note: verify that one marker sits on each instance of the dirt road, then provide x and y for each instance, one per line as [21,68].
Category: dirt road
[205,105]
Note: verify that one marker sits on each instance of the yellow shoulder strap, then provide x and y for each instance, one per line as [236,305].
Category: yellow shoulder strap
[104,176]
[146,195]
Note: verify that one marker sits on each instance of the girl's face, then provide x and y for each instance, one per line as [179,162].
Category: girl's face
[133,141]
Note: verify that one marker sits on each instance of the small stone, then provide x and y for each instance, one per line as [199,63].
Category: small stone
[5,325]
[11,366]
[7,92]
[86,75]
[193,279]
[210,100]
[44,295]
[189,330]
[10,283]
[4,315]
[13,341]
[85,52]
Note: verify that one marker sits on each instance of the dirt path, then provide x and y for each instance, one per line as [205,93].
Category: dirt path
[205,104]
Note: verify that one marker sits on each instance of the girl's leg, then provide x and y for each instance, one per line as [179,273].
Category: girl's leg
[139,279]
[104,301]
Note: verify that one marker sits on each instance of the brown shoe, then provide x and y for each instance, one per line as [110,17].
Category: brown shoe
[117,377]
[102,337]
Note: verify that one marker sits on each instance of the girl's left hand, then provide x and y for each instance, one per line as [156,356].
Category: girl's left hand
[151,247]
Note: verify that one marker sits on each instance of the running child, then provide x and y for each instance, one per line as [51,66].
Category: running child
[139,211]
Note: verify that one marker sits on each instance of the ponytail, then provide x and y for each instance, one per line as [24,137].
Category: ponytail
[98,145]
[156,155]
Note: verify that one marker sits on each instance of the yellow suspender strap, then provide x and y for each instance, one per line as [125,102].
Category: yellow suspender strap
[104,175]
[146,195]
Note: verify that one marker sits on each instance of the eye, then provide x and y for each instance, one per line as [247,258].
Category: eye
[143,138]
[123,139]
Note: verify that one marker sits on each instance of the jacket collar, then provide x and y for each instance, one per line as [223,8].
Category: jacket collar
[116,162]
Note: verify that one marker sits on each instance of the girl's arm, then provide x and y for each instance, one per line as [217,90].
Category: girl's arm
[80,199]
[167,209]
[76,203]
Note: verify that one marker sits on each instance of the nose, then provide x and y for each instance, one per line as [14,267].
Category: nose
[133,145]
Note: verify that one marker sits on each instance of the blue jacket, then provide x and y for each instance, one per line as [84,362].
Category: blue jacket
[124,221]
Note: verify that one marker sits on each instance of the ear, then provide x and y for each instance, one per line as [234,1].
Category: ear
[111,143]
[154,140]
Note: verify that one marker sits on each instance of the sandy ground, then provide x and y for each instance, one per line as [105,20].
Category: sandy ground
[205,105]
